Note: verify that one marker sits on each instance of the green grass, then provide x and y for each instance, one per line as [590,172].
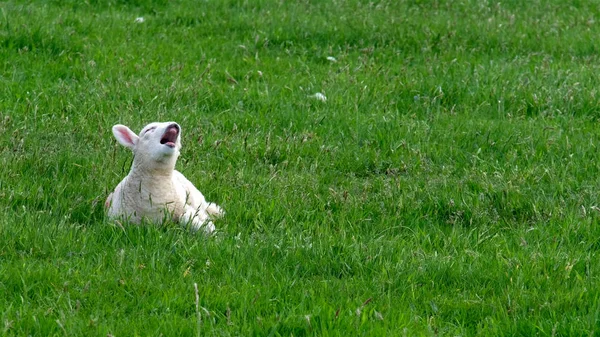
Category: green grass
[448,185]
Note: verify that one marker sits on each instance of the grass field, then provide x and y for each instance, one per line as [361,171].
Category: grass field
[447,186]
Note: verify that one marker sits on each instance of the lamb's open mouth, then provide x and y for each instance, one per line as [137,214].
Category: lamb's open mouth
[169,138]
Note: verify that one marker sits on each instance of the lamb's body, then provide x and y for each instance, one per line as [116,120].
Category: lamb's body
[153,190]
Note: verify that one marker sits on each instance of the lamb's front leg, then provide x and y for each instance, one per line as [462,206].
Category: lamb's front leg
[197,220]
[214,209]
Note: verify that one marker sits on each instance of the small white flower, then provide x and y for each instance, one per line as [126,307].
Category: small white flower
[331,58]
[319,96]
[139,19]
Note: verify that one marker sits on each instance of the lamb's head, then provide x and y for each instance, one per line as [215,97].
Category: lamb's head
[156,147]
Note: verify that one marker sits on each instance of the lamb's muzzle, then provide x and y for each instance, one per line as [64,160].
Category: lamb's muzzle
[170,136]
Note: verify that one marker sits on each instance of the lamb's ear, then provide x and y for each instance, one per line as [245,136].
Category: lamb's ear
[125,136]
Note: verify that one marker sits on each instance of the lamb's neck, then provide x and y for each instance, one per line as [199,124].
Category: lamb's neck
[141,172]
[153,174]
[151,182]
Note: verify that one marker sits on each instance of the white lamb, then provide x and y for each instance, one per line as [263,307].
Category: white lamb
[153,190]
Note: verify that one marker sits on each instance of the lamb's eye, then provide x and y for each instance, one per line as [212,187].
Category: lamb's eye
[149,130]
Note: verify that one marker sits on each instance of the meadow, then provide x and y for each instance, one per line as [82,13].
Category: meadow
[446,186]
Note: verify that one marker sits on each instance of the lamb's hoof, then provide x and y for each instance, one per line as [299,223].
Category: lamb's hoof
[215,210]
[207,227]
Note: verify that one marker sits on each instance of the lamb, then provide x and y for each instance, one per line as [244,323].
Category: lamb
[153,190]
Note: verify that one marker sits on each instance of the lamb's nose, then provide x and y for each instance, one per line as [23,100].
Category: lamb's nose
[173,126]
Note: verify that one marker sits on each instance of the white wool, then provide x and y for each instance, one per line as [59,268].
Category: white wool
[153,190]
